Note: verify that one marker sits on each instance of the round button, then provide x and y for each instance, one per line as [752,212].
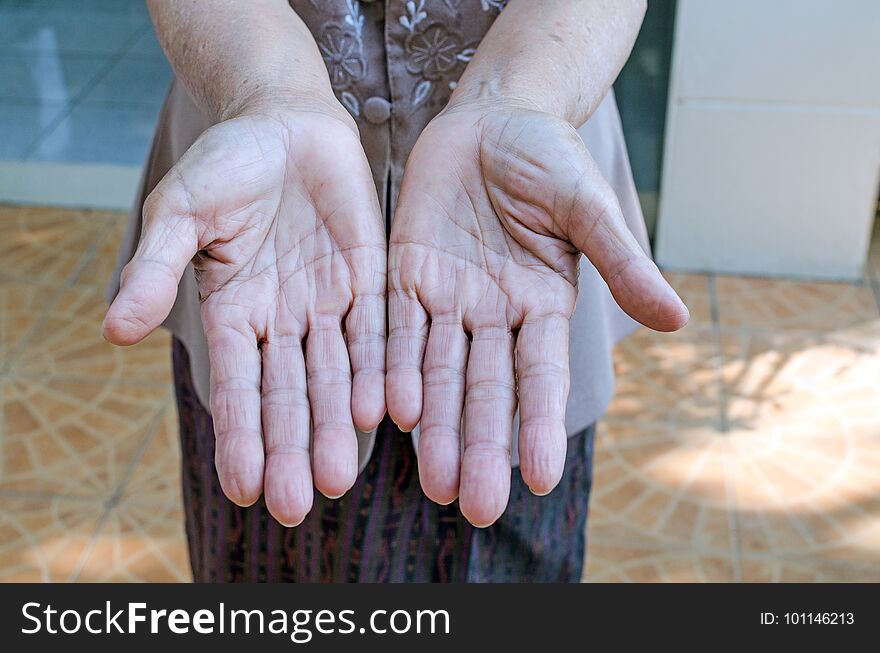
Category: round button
[377,110]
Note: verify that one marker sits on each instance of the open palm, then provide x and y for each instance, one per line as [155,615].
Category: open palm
[495,209]
[280,217]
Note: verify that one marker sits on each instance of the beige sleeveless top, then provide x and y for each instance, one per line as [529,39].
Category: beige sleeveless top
[393,65]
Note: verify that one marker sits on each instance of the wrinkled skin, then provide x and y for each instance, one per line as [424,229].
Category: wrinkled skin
[496,206]
[280,212]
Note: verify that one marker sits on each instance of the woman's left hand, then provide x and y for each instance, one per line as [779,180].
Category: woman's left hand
[496,206]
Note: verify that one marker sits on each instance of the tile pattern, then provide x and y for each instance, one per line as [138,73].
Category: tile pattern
[627,564]
[772,304]
[88,457]
[45,247]
[746,447]
[73,438]
[142,537]
[42,539]
[743,448]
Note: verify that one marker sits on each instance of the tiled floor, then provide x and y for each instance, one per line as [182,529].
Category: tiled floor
[745,448]
[81,81]
[88,486]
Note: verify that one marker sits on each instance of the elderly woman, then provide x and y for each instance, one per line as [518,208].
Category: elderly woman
[315,157]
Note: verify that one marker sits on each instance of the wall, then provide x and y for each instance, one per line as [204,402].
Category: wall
[773,138]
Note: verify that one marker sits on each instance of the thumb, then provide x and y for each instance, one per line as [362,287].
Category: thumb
[596,226]
[148,285]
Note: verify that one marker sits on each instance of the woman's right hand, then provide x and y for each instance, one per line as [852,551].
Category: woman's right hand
[278,212]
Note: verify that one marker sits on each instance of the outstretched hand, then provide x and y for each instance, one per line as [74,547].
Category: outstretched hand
[496,207]
[280,212]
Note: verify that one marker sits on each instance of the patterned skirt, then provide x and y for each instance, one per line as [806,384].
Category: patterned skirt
[384,529]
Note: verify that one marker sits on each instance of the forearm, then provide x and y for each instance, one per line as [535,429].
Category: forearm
[235,56]
[558,56]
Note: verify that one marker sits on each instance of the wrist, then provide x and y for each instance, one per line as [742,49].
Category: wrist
[494,93]
[283,101]
[489,93]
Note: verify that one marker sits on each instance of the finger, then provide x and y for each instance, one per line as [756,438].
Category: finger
[542,384]
[334,450]
[440,430]
[365,333]
[148,284]
[359,229]
[235,407]
[490,404]
[288,476]
[598,229]
[408,332]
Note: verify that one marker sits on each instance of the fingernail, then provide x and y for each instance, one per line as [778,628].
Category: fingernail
[291,524]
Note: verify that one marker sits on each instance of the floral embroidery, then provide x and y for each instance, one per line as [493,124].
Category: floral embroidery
[493,4]
[349,101]
[432,52]
[415,14]
[421,92]
[341,50]
[435,37]
[355,18]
